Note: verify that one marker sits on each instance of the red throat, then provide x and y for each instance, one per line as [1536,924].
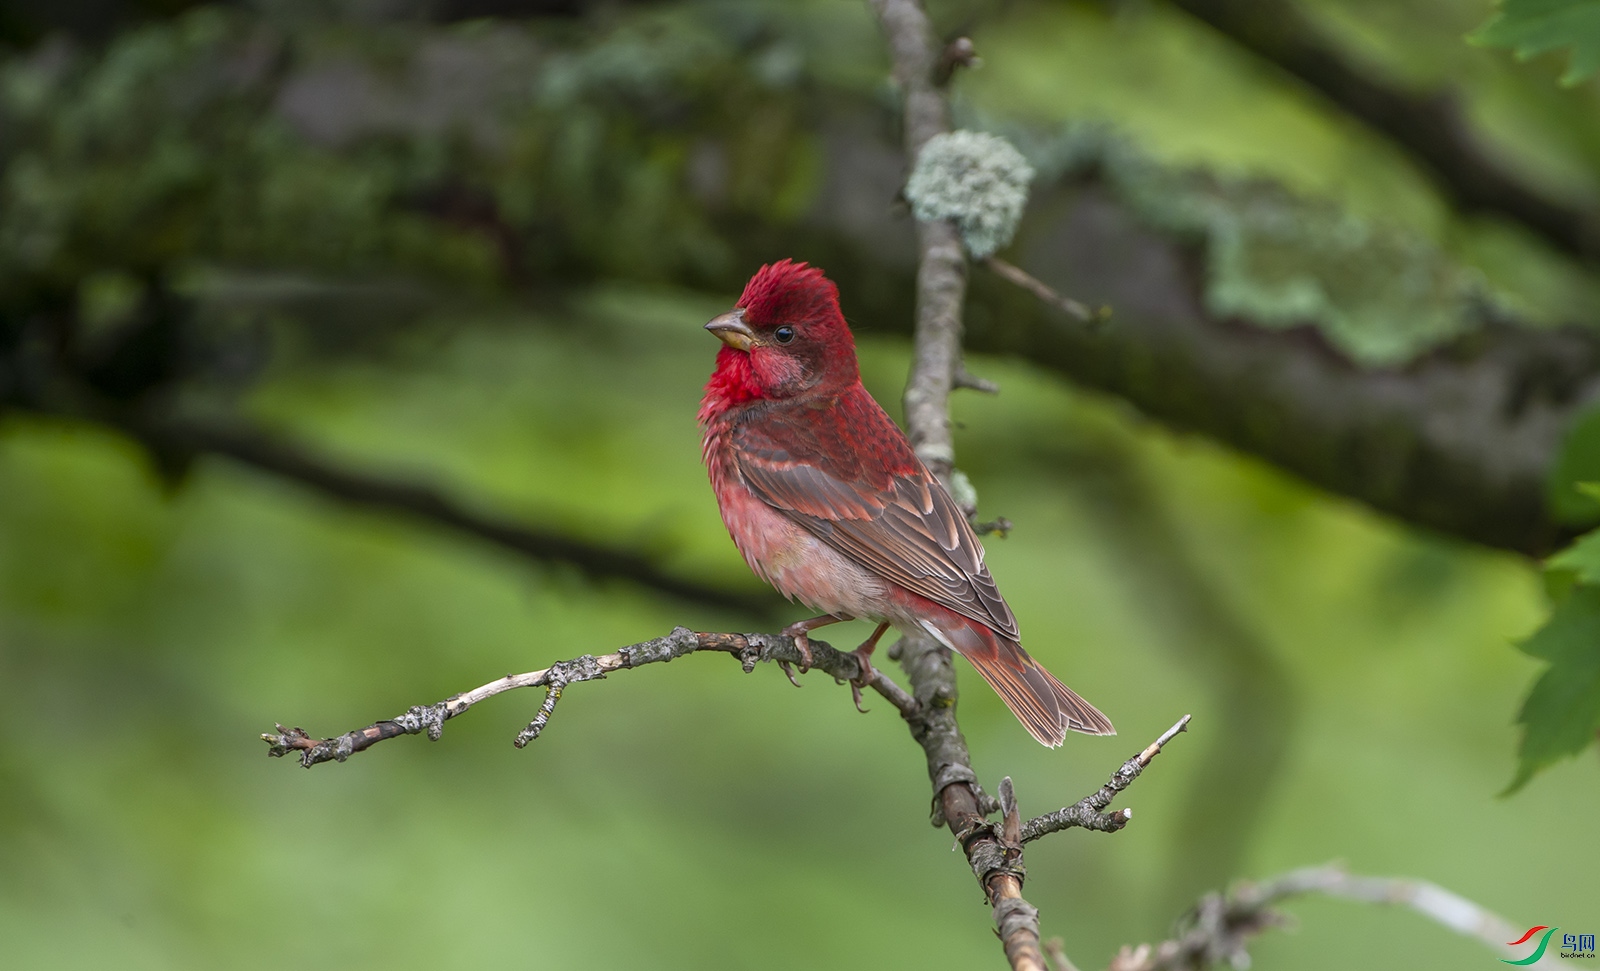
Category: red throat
[732,383]
[798,295]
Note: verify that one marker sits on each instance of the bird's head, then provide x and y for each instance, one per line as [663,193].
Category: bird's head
[785,338]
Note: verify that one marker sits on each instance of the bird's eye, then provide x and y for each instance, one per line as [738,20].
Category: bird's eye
[784,334]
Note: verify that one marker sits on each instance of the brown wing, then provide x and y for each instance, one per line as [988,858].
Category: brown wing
[846,473]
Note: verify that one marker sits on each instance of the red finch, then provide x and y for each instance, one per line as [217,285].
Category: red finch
[828,503]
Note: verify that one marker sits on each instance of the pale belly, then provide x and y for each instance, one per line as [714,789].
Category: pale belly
[797,564]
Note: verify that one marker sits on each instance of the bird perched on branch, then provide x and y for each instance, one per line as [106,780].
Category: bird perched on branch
[828,503]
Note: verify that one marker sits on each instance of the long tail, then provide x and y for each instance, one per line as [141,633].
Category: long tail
[1047,708]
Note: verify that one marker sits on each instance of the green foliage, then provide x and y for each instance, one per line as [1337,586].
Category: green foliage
[219,139]
[1562,713]
[1191,99]
[1532,27]
[1577,463]
[164,152]
[570,156]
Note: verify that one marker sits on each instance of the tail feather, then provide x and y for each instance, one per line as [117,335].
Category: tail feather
[1076,713]
[1047,708]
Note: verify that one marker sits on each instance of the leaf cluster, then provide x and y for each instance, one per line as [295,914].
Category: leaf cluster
[1561,714]
[1533,27]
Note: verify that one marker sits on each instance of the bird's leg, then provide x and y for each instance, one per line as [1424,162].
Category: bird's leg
[799,629]
[861,654]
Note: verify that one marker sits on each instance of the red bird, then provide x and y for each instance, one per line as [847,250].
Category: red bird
[828,503]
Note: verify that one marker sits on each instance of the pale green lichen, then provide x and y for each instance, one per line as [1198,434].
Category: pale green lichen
[978,181]
[1379,292]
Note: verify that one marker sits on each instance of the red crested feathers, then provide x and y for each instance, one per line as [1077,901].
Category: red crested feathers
[787,290]
[823,356]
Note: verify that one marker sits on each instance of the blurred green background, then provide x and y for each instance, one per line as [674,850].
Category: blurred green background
[1353,681]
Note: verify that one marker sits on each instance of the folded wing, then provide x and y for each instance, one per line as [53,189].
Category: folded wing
[849,477]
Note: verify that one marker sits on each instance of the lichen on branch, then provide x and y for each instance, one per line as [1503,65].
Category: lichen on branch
[977,181]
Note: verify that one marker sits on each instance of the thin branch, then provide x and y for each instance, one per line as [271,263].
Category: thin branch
[1221,925]
[1056,951]
[958,53]
[259,450]
[936,362]
[1045,292]
[1430,127]
[993,851]
[1088,812]
[970,381]
[942,262]
[750,649]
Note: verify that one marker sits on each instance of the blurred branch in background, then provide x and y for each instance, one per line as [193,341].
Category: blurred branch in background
[1445,410]
[1218,929]
[183,439]
[1461,438]
[1035,286]
[128,382]
[1431,128]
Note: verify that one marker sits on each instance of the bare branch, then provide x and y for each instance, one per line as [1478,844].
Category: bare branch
[936,363]
[1045,292]
[1017,920]
[1001,527]
[750,649]
[1221,926]
[942,263]
[936,354]
[1087,812]
[1056,951]
[965,379]
[994,853]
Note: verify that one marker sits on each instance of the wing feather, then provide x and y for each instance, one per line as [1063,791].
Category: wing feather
[848,476]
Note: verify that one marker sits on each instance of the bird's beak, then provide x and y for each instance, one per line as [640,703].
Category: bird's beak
[731,330]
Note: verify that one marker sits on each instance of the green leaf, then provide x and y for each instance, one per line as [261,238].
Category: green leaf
[1532,27]
[1569,486]
[1562,712]
[1581,560]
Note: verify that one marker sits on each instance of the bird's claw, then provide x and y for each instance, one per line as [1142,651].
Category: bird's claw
[788,672]
[863,679]
[802,643]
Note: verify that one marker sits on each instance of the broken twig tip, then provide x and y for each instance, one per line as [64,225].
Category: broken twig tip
[1156,746]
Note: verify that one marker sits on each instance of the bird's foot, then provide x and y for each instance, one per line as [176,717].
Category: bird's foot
[802,643]
[865,673]
[864,679]
[788,672]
